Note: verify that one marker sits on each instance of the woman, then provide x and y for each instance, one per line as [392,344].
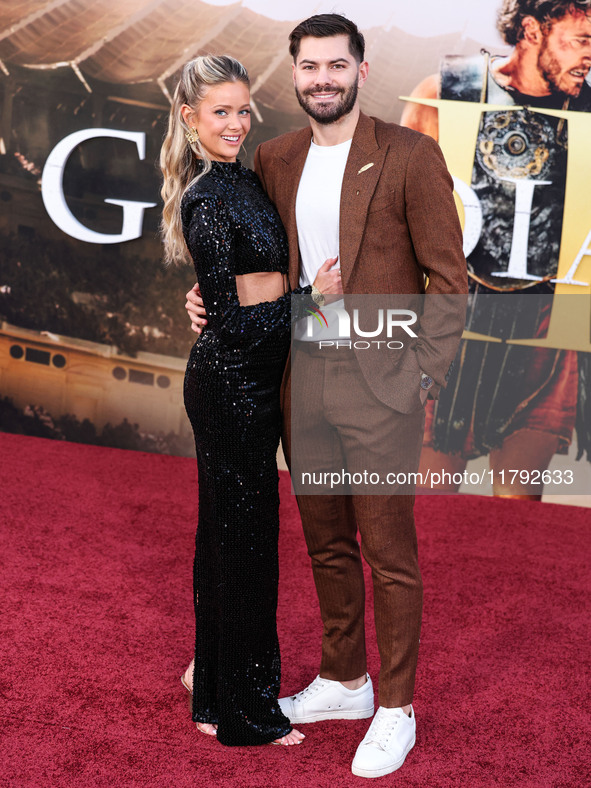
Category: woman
[217,210]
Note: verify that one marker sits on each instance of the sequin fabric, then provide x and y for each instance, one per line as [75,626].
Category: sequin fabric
[232,399]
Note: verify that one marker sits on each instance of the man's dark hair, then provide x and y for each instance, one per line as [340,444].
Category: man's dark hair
[325,25]
[512,12]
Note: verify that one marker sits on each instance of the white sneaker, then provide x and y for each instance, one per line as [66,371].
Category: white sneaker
[324,699]
[390,738]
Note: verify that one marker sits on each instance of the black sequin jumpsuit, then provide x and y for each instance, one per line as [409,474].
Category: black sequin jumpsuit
[232,399]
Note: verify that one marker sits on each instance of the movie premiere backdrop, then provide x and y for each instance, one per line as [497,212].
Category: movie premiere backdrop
[93,333]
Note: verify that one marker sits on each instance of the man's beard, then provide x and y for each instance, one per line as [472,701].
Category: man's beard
[328,113]
[550,70]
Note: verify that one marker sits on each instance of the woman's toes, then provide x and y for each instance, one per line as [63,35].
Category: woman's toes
[293,737]
[206,727]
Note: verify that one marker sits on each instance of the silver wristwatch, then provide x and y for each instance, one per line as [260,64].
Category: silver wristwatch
[426,381]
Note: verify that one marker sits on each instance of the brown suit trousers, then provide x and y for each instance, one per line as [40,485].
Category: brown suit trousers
[331,396]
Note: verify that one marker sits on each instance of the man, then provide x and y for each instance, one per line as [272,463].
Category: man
[531,414]
[380,197]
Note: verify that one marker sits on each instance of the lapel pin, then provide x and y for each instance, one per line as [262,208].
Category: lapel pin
[366,167]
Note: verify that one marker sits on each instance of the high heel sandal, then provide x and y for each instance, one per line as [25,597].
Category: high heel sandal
[186,686]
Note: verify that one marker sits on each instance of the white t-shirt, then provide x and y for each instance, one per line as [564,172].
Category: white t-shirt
[318,205]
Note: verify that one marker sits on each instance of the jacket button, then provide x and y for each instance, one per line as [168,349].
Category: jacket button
[357,191]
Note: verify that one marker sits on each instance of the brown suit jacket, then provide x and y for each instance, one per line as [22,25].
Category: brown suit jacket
[398,223]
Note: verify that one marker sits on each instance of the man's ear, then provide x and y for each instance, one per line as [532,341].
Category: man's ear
[293,70]
[532,30]
[363,73]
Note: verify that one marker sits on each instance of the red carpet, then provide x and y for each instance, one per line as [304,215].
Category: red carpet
[96,557]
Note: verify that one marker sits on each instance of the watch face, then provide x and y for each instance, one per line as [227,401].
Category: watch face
[426,382]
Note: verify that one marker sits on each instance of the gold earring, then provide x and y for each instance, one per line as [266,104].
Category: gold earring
[192,135]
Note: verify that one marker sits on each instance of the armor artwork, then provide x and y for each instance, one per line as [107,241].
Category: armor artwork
[511,146]
[519,170]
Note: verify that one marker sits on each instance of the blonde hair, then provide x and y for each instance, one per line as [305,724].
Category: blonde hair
[183,163]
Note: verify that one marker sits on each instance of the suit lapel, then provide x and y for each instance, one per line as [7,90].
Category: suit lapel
[362,173]
[292,163]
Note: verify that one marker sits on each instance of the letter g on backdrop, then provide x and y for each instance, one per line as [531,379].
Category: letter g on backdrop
[52,190]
